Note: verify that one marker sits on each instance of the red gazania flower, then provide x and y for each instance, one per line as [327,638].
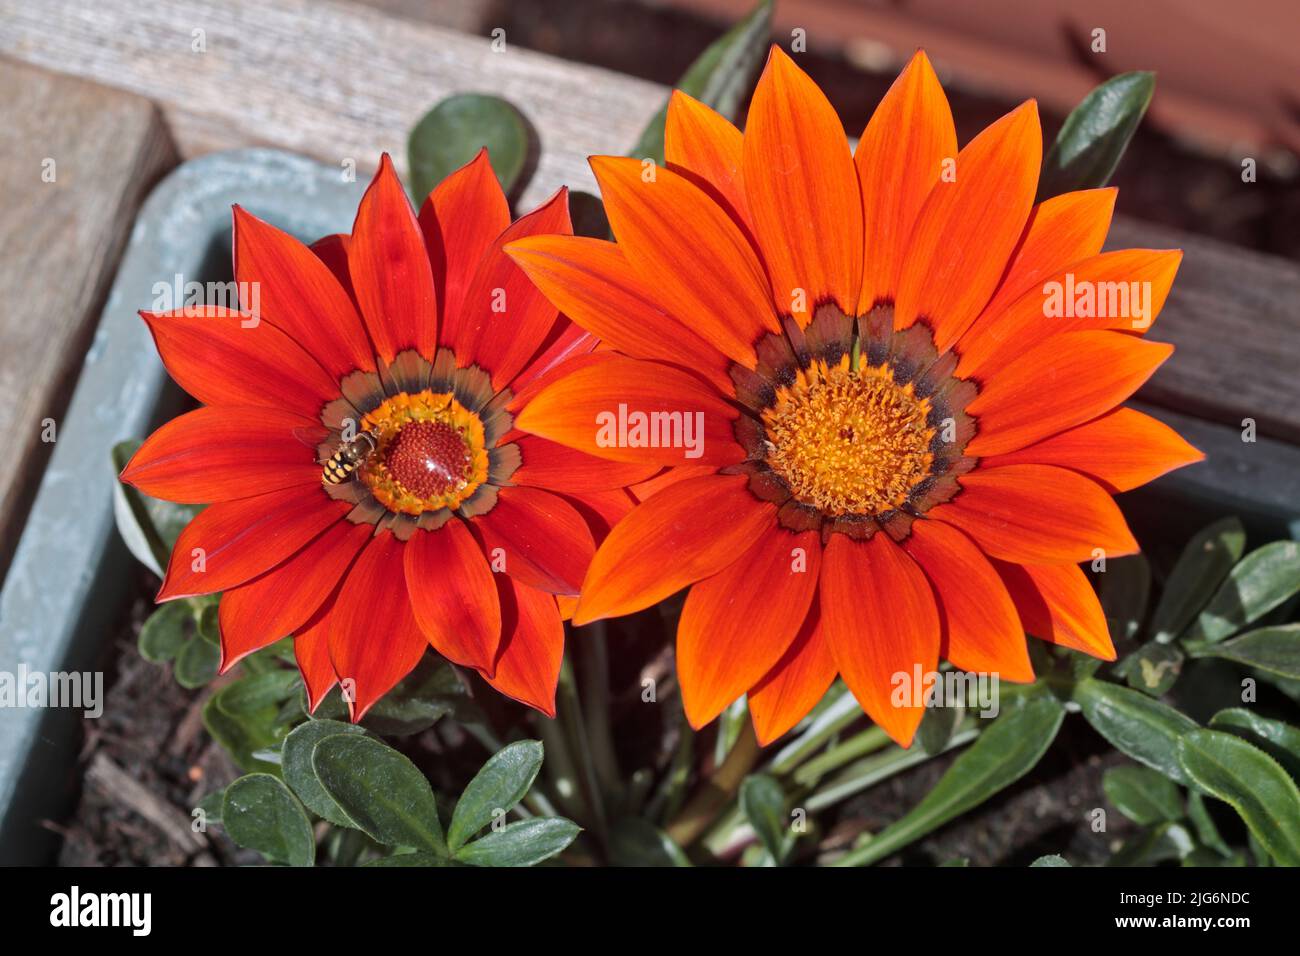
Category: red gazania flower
[904,457]
[368,492]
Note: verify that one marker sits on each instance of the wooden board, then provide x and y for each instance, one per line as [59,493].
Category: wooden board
[340,82]
[59,247]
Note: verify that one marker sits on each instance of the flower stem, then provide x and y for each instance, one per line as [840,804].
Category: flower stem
[594,670]
[569,706]
[718,790]
[859,745]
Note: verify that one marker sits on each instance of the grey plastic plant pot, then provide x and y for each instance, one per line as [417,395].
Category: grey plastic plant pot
[68,586]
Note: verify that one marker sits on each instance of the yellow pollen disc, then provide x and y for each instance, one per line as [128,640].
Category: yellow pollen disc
[849,442]
[431,452]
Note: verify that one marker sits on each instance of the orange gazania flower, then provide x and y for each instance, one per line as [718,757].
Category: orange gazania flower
[903,457]
[358,452]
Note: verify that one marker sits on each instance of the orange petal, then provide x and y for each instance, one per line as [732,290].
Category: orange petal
[686,533]
[459,220]
[601,510]
[216,358]
[628,410]
[1037,514]
[1062,382]
[1056,603]
[981,631]
[333,251]
[1061,231]
[505,318]
[390,269]
[548,464]
[899,158]
[802,191]
[1122,450]
[285,598]
[298,294]
[538,538]
[968,228]
[590,281]
[374,639]
[227,452]
[879,617]
[231,542]
[685,247]
[998,337]
[311,649]
[564,343]
[669,476]
[704,145]
[453,595]
[532,646]
[736,625]
[794,686]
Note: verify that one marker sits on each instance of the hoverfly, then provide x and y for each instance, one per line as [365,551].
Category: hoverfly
[350,456]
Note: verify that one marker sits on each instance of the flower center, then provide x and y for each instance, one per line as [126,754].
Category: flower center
[849,442]
[431,452]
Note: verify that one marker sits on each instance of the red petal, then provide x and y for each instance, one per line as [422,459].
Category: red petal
[453,595]
[311,648]
[532,646]
[794,686]
[1056,603]
[538,538]
[548,464]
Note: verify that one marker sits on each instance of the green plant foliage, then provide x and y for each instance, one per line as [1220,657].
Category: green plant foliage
[1279,740]
[166,631]
[1142,795]
[451,134]
[149,526]
[1258,583]
[495,790]
[261,814]
[635,841]
[1201,568]
[1050,860]
[296,765]
[1094,136]
[1273,650]
[197,662]
[1138,726]
[523,843]
[763,802]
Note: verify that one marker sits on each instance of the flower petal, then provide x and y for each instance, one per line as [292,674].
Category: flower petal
[390,269]
[333,251]
[590,281]
[794,686]
[1062,382]
[687,532]
[231,542]
[703,145]
[311,649]
[980,628]
[1056,603]
[459,220]
[998,337]
[879,617]
[968,228]
[226,452]
[532,646]
[374,639]
[282,600]
[548,464]
[1122,450]
[453,595]
[628,410]
[544,542]
[214,357]
[685,247]
[802,191]
[504,318]
[299,295]
[899,159]
[1037,514]
[736,625]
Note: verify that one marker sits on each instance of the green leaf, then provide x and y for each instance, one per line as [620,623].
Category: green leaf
[719,77]
[523,843]
[1093,139]
[1135,724]
[381,791]
[1051,859]
[1003,753]
[430,692]
[1204,563]
[149,526]
[762,801]
[1142,795]
[166,631]
[261,814]
[1274,650]
[296,766]
[1168,841]
[209,627]
[1206,832]
[635,841]
[1124,589]
[452,133]
[496,788]
[1153,668]
[211,806]
[197,663]
[243,734]
[1250,781]
[410,859]
[1260,582]
[1279,740]
[937,727]
[259,691]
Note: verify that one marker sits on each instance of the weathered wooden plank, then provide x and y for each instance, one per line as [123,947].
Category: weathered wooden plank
[77,159]
[337,81]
